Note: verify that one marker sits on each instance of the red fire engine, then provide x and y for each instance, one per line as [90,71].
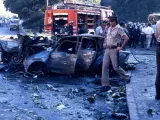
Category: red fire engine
[83,16]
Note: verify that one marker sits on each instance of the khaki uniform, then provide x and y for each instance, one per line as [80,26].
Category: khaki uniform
[113,39]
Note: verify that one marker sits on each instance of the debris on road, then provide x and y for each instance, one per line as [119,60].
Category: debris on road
[51,88]
[92,98]
[119,115]
[61,107]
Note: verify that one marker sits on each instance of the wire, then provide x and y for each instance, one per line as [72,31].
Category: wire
[136,58]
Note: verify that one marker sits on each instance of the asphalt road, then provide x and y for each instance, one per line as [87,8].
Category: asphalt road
[4,31]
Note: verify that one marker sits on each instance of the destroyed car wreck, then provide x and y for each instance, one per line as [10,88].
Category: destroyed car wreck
[72,54]
[14,51]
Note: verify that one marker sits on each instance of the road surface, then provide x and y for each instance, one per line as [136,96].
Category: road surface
[4,31]
[56,97]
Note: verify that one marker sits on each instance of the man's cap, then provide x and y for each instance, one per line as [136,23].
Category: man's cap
[112,18]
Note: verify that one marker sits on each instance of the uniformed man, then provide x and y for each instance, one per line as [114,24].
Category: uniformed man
[112,45]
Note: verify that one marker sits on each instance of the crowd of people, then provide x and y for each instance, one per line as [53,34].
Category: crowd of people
[140,34]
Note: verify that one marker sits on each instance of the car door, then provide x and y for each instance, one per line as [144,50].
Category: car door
[63,58]
[87,54]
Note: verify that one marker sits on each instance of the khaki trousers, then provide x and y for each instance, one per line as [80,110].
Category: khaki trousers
[111,55]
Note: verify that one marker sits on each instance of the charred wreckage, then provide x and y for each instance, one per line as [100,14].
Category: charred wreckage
[69,55]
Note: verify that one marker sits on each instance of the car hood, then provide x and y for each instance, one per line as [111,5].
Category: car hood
[40,56]
[10,46]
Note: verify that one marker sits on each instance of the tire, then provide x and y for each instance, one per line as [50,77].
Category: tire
[15,59]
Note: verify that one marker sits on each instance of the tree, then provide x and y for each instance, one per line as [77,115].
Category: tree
[32,11]
[134,10]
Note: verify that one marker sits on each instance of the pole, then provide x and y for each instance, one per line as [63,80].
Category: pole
[46,3]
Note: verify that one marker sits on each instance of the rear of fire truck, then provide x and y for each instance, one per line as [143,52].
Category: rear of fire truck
[84,16]
[153,18]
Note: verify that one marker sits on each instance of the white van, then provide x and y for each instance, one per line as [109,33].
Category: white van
[14,24]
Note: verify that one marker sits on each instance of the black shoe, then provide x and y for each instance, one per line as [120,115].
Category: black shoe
[104,88]
[157,97]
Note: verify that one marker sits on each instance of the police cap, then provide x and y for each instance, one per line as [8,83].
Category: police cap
[112,18]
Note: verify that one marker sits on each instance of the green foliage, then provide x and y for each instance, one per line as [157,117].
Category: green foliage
[32,11]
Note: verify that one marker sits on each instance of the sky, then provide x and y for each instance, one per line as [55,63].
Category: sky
[3,9]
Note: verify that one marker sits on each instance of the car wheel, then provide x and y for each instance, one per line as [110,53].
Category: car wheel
[38,69]
[15,59]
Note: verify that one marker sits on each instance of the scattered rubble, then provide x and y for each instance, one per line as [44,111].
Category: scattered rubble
[119,115]
[61,107]
[92,98]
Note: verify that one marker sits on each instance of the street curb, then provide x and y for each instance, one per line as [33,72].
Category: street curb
[133,112]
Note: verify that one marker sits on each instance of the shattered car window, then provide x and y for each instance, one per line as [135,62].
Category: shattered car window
[89,44]
[100,43]
[68,47]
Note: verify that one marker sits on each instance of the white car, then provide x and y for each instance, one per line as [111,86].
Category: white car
[91,31]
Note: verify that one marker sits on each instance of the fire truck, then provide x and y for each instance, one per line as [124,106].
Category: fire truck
[84,16]
[153,18]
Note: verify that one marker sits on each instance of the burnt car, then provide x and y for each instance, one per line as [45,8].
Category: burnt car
[14,51]
[72,54]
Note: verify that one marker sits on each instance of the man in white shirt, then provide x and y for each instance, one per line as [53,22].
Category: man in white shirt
[148,31]
[143,36]
[99,30]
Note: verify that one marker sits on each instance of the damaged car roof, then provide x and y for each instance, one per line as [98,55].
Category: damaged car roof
[85,35]
[88,35]
[101,38]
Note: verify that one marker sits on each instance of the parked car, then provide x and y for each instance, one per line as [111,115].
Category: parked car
[72,54]
[91,31]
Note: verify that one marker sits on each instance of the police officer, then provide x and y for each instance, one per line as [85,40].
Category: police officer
[112,41]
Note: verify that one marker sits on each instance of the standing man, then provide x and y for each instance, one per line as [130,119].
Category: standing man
[157,34]
[106,26]
[70,28]
[112,42]
[142,37]
[149,31]
[153,42]
[99,30]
